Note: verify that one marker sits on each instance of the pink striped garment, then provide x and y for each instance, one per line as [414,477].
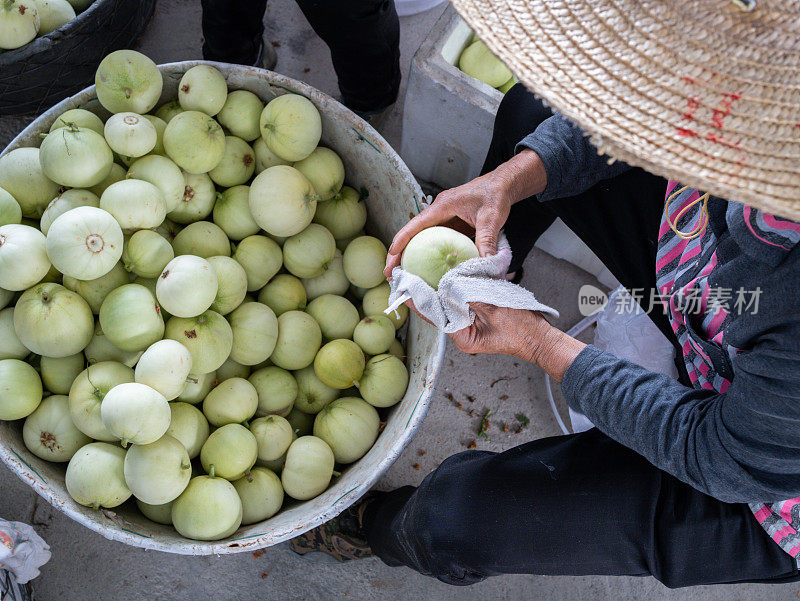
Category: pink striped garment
[699,313]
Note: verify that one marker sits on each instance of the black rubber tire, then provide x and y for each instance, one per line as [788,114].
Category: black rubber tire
[48,69]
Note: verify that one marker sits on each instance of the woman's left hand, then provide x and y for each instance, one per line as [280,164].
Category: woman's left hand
[503,331]
[519,333]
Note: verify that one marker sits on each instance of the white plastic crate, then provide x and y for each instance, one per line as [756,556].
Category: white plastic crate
[448,115]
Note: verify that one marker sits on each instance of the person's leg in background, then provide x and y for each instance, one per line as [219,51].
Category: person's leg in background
[570,505]
[233,32]
[364,40]
[363,37]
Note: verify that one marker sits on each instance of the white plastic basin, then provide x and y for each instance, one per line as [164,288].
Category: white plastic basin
[394,197]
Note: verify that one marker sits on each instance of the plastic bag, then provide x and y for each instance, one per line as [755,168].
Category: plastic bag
[22,551]
[625,331]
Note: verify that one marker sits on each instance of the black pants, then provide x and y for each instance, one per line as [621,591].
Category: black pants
[580,504]
[363,37]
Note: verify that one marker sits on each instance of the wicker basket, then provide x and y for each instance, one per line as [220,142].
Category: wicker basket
[63,62]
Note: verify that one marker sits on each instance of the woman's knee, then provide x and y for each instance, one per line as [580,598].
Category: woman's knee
[441,516]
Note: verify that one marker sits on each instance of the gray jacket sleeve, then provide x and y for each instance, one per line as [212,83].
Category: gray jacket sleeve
[571,162]
[742,445]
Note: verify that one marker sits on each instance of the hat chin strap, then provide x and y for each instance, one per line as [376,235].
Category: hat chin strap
[701,224]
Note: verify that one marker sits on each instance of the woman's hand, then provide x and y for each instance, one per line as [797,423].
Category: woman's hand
[502,331]
[526,335]
[480,206]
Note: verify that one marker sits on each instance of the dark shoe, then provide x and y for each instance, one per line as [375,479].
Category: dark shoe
[375,118]
[343,537]
[267,57]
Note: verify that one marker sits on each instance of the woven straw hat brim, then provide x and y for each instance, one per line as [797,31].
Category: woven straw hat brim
[698,91]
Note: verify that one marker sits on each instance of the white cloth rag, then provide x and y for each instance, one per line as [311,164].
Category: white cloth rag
[480,280]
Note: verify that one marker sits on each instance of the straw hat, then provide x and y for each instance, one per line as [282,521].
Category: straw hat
[706,92]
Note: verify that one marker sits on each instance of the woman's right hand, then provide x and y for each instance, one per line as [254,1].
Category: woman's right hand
[482,205]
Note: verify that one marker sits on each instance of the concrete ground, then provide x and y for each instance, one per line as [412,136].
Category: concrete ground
[86,567]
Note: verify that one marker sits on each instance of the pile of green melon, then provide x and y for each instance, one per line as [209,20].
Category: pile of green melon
[190,312]
[21,21]
[476,60]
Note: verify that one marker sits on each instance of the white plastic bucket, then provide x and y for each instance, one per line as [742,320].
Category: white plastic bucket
[394,197]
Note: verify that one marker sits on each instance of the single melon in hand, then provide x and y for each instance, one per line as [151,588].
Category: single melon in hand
[435,251]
